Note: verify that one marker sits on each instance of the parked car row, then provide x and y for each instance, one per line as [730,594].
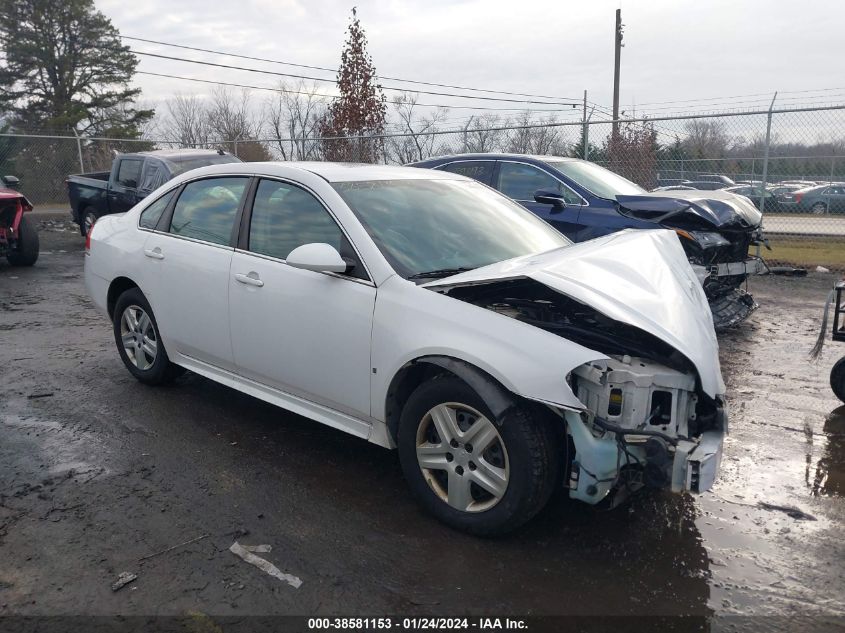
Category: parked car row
[798,196]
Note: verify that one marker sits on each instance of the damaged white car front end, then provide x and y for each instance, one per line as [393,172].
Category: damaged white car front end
[649,409]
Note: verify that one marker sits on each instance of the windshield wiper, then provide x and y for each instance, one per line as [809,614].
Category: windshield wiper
[440,272]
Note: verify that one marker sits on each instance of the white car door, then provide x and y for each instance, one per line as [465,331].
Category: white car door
[187,270]
[302,332]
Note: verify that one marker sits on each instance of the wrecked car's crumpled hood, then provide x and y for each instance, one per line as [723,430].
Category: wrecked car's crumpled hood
[720,208]
[641,278]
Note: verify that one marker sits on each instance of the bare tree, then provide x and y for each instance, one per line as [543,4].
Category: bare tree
[292,117]
[532,136]
[420,140]
[481,134]
[187,122]
[234,125]
[705,139]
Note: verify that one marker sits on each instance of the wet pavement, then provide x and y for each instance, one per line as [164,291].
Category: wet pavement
[98,472]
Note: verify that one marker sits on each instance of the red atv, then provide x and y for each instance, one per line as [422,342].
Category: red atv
[18,235]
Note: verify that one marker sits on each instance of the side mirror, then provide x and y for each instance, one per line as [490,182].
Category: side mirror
[12,182]
[317,257]
[550,196]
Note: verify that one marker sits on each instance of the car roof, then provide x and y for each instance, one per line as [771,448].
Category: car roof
[331,172]
[497,156]
[178,155]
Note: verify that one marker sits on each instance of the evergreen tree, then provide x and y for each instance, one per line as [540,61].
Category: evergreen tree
[64,67]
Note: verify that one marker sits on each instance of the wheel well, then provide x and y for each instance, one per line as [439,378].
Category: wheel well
[423,369]
[118,287]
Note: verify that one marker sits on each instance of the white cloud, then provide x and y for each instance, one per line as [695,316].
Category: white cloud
[674,50]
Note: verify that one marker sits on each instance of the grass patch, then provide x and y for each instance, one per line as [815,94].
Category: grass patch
[807,252]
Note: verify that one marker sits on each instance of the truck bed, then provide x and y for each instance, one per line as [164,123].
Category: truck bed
[95,178]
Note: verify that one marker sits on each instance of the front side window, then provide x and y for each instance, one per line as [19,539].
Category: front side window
[285,216]
[520,182]
[427,228]
[206,209]
[151,215]
[129,172]
[480,170]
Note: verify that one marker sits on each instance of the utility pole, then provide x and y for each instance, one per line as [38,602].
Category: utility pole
[617,50]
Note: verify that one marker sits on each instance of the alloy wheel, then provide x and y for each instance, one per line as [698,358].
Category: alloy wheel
[462,457]
[139,337]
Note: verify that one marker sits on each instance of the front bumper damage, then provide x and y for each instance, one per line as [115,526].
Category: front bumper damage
[644,425]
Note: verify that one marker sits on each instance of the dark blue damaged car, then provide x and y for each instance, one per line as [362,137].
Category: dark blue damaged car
[584,200]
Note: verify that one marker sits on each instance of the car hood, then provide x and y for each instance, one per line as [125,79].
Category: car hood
[722,209]
[641,278]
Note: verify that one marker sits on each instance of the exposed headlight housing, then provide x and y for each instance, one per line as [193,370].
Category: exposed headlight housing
[704,239]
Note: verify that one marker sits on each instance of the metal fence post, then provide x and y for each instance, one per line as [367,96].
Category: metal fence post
[235,143]
[766,155]
[79,149]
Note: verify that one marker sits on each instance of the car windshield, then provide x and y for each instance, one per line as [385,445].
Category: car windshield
[434,228]
[182,166]
[596,179]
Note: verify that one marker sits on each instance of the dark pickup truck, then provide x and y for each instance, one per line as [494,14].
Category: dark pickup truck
[131,179]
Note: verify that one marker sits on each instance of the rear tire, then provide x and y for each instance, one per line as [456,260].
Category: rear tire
[837,379]
[138,341]
[487,489]
[25,250]
[819,208]
[87,218]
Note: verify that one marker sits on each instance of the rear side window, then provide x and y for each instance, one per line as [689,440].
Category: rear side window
[206,209]
[151,215]
[480,170]
[129,172]
[519,182]
[285,216]
[153,177]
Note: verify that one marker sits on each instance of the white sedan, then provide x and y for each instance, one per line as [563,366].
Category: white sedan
[424,311]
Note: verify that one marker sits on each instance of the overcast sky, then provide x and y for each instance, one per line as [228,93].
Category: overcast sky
[675,50]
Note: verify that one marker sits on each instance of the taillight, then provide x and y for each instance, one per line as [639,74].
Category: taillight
[88,240]
[798,197]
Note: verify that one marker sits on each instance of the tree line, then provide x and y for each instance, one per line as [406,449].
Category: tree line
[65,71]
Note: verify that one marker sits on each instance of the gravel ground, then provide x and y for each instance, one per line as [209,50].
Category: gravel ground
[98,472]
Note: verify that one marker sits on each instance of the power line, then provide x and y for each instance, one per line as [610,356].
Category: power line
[334,70]
[325,96]
[279,74]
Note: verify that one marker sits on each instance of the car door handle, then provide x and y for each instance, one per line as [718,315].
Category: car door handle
[250,280]
[154,253]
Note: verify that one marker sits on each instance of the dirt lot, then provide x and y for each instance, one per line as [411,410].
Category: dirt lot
[98,471]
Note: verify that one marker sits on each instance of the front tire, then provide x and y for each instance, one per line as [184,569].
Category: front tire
[138,341]
[472,471]
[25,250]
[837,379]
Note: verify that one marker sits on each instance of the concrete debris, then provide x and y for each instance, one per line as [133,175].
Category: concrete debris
[124,579]
[264,565]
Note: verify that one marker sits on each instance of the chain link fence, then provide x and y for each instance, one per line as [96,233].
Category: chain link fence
[791,163]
